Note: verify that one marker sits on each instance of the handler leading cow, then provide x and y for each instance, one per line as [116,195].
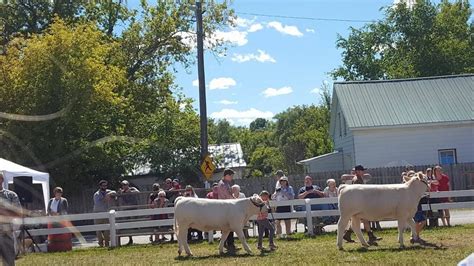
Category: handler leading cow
[209,214]
[380,202]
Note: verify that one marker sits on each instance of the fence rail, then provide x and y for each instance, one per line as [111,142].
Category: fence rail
[115,224]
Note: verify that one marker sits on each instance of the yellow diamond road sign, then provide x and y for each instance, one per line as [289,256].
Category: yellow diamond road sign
[207,167]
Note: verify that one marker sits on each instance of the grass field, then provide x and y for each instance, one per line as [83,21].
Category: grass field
[453,244]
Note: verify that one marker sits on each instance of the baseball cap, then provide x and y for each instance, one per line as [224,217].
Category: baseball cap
[279,173]
[101,182]
[359,168]
[283,178]
[228,171]
[124,182]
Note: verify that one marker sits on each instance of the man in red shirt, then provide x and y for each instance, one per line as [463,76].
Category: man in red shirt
[443,186]
[213,194]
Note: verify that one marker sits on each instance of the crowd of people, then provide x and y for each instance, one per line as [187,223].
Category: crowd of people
[163,195]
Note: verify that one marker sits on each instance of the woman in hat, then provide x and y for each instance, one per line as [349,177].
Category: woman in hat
[285,192]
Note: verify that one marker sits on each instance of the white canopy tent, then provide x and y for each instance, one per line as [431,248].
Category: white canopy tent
[11,169]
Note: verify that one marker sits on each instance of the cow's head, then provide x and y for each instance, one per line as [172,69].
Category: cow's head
[257,201]
[417,179]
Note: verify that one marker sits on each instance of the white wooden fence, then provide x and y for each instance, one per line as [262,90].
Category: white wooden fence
[113,226]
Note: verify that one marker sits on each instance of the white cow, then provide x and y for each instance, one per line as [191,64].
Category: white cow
[380,202]
[211,214]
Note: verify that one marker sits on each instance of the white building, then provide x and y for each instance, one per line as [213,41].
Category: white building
[228,155]
[386,123]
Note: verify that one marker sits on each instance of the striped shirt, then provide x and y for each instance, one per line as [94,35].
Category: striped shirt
[8,199]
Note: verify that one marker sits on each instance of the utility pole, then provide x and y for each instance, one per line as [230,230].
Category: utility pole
[202,82]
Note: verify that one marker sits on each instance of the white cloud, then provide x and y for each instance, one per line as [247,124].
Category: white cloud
[316,91]
[285,29]
[234,37]
[241,22]
[221,83]
[196,83]
[261,57]
[310,30]
[271,92]
[187,38]
[227,102]
[255,27]
[242,117]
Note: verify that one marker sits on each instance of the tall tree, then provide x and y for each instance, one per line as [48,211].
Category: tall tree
[113,90]
[426,40]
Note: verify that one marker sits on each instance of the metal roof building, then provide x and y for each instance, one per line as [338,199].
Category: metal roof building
[372,122]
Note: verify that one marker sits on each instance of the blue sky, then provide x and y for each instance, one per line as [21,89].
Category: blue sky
[274,63]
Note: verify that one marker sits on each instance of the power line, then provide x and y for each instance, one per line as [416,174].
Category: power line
[306,18]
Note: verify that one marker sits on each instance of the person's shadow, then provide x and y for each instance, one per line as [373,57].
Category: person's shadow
[224,255]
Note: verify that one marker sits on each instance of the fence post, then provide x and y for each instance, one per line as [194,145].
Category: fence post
[113,229]
[309,218]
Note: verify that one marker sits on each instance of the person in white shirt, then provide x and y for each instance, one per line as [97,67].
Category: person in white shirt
[236,192]
[58,205]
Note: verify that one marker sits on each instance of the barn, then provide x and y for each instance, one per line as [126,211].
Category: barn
[387,123]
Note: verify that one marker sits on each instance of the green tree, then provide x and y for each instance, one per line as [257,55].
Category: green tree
[303,132]
[67,71]
[258,124]
[114,90]
[427,40]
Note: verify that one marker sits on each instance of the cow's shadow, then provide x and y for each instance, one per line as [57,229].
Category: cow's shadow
[397,249]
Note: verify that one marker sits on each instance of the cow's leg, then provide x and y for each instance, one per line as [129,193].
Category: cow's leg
[401,228]
[240,234]
[224,235]
[357,230]
[183,238]
[180,246]
[341,228]
[412,225]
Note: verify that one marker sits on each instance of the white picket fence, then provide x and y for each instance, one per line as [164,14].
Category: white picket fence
[113,226]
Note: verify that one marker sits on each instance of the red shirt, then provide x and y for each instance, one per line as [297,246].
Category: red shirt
[443,183]
[433,187]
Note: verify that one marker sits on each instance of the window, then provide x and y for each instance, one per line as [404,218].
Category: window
[447,156]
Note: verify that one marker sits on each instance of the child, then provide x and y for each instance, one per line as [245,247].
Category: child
[263,222]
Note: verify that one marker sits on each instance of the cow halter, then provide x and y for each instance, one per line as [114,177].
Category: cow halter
[259,205]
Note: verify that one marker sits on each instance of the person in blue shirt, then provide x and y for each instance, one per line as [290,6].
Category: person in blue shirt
[310,191]
[282,193]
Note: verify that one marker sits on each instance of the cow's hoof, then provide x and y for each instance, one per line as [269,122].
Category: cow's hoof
[340,248]
[402,247]
[372,243]
[190,255]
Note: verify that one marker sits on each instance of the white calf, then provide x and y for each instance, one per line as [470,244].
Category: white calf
[379,202]
[210,214]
